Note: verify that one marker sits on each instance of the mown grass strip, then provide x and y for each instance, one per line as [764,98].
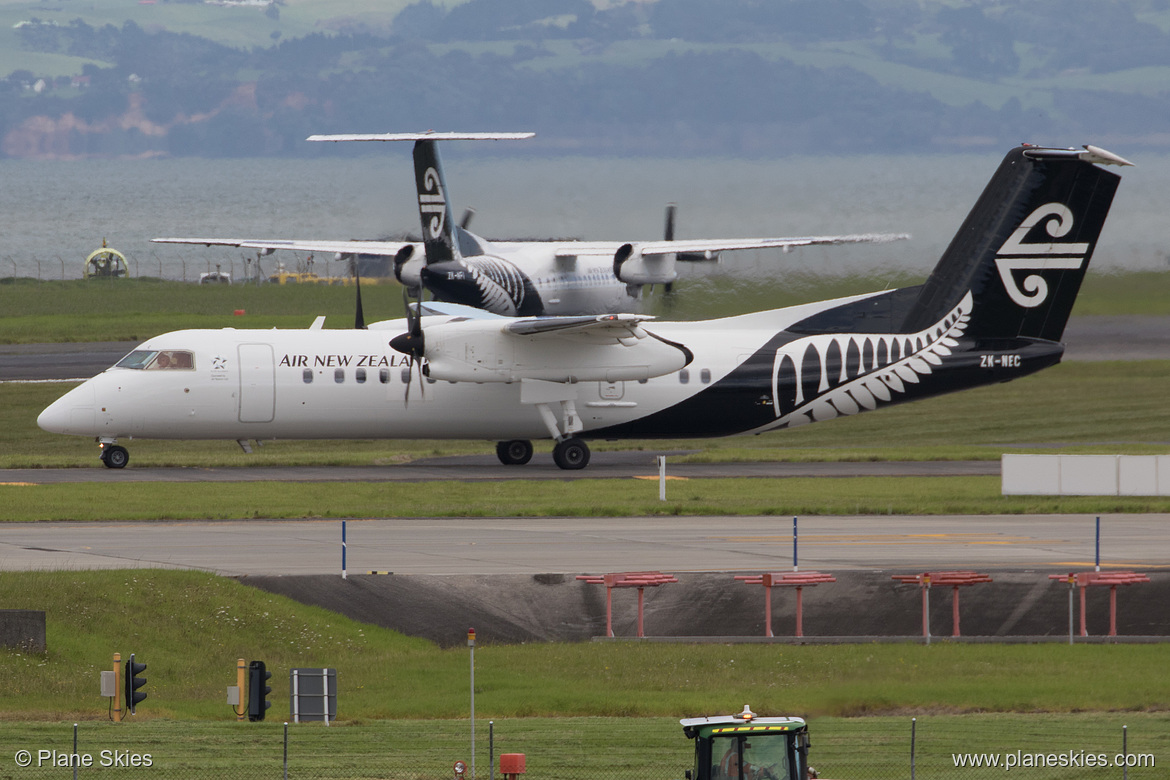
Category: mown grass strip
[151,501]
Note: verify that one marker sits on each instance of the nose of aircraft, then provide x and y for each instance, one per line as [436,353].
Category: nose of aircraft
[71,413]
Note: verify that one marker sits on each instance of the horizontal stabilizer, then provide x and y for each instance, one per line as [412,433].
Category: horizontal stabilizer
[429,136]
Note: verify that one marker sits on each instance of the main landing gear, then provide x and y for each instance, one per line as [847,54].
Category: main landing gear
[514,453]
[114,456]
[556,404]
[570,453]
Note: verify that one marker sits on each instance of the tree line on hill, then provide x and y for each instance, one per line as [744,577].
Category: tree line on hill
[709,76]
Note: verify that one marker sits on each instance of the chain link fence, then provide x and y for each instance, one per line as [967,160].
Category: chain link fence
[877,748]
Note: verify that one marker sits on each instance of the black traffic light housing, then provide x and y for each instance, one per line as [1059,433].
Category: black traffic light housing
[133,682]
[258,690]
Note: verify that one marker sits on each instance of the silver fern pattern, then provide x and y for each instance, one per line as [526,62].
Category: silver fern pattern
[825,376]
[500,283]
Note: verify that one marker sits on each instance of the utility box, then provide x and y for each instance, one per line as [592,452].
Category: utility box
[312,695]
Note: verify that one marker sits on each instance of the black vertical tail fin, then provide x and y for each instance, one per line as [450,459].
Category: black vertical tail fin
[438,229]
[1024,248]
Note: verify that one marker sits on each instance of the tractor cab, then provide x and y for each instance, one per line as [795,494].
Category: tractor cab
[746,747]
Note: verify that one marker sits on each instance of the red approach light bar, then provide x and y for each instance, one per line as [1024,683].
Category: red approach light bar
[793,579]
[1084,579]
[630,579]
[955,579]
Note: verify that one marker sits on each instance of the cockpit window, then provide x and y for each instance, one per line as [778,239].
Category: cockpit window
[162,360]
[137,359]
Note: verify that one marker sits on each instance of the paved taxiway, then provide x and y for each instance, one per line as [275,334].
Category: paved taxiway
[488,546]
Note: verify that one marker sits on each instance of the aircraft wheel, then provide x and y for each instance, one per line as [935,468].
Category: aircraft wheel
[516,452]
[571,454]
[115,457]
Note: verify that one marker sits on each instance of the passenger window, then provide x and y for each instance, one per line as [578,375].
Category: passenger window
[406,375]
[360,376]
[384,376]
[339,375]
[684,376]
[308,376]
[705,376]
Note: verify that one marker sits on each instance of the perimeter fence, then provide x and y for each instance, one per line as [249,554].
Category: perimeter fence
[963,747]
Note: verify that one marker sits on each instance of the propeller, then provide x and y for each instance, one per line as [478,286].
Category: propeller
[412,342]
[668,235]
[359,317]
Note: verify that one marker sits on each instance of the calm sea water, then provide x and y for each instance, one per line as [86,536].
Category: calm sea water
[55,213]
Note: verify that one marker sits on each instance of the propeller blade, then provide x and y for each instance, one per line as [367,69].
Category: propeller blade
[668,234]
[359,317]
[412,343]
[466,220]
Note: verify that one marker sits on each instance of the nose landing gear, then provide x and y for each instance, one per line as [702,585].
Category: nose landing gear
[114,456]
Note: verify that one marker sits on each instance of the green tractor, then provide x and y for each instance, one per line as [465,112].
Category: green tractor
[746,747]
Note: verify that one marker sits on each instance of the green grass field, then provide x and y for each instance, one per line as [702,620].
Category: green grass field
[576,710]
[190,627]
[136,309]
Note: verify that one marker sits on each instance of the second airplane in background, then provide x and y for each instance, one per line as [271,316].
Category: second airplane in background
[521,278]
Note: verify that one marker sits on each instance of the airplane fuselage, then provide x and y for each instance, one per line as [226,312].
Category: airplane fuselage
[748,375]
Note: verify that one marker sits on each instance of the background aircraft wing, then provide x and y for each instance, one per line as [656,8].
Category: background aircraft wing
[713,246]
[388,248]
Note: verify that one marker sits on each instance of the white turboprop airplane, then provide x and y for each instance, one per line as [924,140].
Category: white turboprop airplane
[521,278]
[993,309]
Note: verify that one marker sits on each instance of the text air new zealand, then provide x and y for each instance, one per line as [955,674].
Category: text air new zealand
[993,309]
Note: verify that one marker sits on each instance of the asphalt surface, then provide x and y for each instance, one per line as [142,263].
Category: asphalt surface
[572,545]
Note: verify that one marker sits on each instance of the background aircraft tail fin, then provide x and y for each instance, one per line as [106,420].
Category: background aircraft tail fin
[1024,248]
[438,229]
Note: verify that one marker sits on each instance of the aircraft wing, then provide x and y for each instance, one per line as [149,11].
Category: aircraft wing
[617,326]
[713,246]
[387,248]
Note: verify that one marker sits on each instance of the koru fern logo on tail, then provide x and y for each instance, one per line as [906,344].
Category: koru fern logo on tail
[432,202]
[1018,255]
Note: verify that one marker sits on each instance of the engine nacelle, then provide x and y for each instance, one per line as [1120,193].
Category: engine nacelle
[408,267]
[479,351]
[632,267]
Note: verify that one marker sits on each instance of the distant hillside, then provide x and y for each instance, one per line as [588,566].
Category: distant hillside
[663,77]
